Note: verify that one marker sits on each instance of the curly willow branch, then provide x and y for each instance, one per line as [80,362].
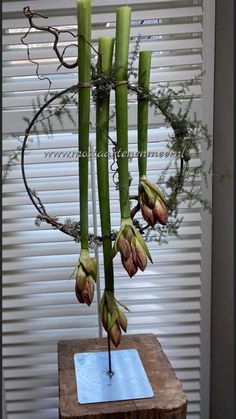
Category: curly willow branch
[56,33]
[41,78]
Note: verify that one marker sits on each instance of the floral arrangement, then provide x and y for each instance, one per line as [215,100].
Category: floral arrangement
[158,209]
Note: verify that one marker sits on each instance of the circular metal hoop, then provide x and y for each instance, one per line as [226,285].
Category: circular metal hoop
[27,133]
[32,197]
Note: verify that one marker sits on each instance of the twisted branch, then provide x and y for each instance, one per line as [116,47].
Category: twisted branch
[54,31]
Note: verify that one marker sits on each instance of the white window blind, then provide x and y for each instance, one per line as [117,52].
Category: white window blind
[39,303]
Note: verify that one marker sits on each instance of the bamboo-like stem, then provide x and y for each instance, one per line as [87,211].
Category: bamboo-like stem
[143,82]
[106,45]
[121,94]
[84,54]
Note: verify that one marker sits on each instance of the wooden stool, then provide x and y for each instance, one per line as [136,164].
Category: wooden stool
[169,401]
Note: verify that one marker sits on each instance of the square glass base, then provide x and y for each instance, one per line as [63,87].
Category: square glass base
[95,385]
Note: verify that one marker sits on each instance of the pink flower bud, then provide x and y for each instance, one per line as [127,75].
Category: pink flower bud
[129,265]
[123,246]
[115,334]
[85,278]
[160,212]
[141,258]
[84,290]
[152,203]
[147,214]
[132,248]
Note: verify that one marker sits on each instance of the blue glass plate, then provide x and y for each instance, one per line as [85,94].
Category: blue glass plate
[129,379]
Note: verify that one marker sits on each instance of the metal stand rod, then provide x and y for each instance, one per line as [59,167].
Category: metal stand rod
[109,372]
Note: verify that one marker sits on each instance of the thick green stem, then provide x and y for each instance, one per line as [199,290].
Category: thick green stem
[143,82]
[121,94]
[84,57]
[105,50]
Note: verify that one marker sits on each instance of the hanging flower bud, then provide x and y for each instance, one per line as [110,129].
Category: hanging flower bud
[152,202]
[132,247]
[85,278]
[84,290]
[160,211]
[113,319]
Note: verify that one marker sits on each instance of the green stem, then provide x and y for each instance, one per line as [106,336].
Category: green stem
[143,82]
[121,95]
[84,56]
[106,45]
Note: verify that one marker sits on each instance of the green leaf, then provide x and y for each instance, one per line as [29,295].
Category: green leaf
[123,305]
[122,320]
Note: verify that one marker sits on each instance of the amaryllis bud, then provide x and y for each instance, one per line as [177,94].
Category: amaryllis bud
[132,248]
[152,203]
[123,246]
[113,319]
[147,214]
[84,293]
[160,211]
[140,255]
[85,278]
[115,334]
[129,265]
